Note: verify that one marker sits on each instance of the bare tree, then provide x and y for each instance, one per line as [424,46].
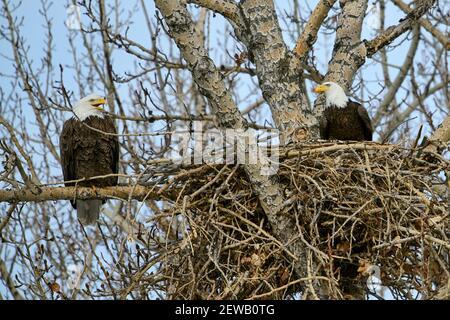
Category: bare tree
[334,212]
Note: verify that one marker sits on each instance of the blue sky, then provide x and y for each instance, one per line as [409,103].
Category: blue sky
[33,31]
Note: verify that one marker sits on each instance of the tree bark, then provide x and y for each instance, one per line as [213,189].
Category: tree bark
[205,74]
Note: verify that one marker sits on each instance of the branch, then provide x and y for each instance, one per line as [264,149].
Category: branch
[393,32]
[19,146]
[440,138]
[211,85]
[8,216]
[29,81]
[132,228]
[279,73]
[348,52]
[398,117]
[383,52]
[68,193]
[226,8]
[309,34]
[426,24]
[394,86]
[188,118]
[109,82]
[6,276]
[205,74]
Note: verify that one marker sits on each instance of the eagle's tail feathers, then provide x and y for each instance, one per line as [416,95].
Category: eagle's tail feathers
[88,211]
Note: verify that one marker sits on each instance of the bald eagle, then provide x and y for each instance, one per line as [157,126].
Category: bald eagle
[343,119]
[87,153]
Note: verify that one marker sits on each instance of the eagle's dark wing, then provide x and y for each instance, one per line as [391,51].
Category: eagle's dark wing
[365,121]
[107,149]
[323,128]
[114,142]
[66,146]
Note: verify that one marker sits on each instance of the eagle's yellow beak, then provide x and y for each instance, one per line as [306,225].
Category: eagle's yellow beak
[321,88]
[98,104]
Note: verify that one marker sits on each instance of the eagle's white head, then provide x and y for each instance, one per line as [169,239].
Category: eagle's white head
[91,105]
[334,94]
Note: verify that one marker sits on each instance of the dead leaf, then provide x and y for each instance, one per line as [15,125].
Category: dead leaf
[343,247]
[364,266]
[284,276]
[256,260]
[55,287]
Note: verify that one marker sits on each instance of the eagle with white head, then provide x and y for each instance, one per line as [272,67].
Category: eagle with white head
[89,148]
[343,119]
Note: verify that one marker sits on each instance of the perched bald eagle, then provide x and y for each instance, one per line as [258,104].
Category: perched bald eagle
[89,153]
[343,119]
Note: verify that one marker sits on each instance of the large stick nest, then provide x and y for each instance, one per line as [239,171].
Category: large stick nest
[358,207]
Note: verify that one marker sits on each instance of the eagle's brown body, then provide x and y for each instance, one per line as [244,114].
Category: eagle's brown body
[88,153]
[349,123]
